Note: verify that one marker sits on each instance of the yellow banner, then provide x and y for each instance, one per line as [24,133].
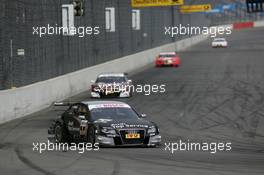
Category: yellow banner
[195,8]
[155,3]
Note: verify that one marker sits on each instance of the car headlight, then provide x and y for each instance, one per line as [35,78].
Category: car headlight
[152,129]
[108,130]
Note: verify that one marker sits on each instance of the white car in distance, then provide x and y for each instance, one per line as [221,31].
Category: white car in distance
[219,42]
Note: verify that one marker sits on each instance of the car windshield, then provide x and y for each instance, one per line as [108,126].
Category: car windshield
[219,39]
[111,79]
[167,55]
[119,113]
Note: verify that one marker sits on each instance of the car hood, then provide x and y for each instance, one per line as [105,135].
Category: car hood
[219,41]
[123,124]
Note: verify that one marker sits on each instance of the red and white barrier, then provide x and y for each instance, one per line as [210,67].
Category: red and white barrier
[248,24]
[259,24]
[242,25]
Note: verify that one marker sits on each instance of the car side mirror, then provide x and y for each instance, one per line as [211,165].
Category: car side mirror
[143,115]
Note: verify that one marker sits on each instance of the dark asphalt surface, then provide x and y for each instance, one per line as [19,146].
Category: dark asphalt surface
[217,95]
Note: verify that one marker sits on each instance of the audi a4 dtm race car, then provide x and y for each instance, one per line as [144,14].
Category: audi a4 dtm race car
[107,123]
[167,59]
[111,85]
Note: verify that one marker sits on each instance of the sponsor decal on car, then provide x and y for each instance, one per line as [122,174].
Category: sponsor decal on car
[124,125]
[108,106]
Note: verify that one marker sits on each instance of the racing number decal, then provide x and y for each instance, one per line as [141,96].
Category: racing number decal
[83,127]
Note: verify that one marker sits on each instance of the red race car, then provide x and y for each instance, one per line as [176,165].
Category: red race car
[167,59]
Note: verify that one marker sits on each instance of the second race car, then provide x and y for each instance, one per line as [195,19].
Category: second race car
[111,85]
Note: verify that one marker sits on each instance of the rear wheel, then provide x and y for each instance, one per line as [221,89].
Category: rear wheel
[60,134]
[91,135]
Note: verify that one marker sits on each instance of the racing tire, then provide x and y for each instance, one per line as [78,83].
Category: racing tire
[91,136]
[60,133]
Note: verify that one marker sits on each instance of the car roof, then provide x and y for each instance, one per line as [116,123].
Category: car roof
[111,75]
[167,53]
[103,102]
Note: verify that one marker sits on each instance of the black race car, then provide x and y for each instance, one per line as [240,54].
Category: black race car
[107,123]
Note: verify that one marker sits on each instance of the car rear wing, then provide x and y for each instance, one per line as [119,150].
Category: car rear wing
[62,103]
[60,106]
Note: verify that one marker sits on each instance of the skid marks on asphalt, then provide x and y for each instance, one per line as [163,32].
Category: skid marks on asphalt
[233,104]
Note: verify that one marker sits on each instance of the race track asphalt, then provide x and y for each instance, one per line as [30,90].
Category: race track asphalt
[216,95]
